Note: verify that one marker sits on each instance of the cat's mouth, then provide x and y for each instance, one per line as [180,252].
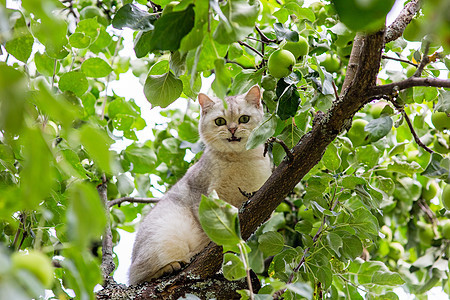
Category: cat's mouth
[234,139]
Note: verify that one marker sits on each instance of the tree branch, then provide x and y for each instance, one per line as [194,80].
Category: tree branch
[388,89]
[399,59]
[413,132]
[251,48]
[395,30]
[108,265]
[119,201]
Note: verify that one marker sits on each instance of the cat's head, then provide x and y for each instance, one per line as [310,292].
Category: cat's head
[227,129]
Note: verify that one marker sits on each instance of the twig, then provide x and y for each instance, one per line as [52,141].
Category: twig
[424,61]
[399,59]
[429,213]
[335,90]
[285,147]
[264,38]
[251,48]
[413,132]
[237,63]
[119,201]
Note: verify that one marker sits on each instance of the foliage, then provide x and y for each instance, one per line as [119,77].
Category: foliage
[357,225]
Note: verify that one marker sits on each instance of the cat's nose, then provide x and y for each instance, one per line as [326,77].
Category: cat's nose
[232,130]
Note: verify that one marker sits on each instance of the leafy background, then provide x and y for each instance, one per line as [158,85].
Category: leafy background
[363,212]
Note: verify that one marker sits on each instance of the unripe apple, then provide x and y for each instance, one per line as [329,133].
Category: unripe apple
[280,63]
[387,233]
[430,190]
[299,48]
[445,196]
[410,70]
[426,233]
[376,109]
[445,229]
[396,250]
[36,263]
[357,134]
[331,63]
[440,120]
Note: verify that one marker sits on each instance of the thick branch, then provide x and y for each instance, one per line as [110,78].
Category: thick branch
[388,89]
[395,30]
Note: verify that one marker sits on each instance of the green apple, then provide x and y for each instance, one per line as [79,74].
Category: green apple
[426,233]
[36,263]
[429,191]
[396,250]
[331,63]
[357,134]
[280,63]
[268,83]
[445,196]
[299,48]
[440,120]
[410,70]
[445,229]
[387,233]
[376,109]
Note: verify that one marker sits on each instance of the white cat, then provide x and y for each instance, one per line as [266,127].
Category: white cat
[171,233]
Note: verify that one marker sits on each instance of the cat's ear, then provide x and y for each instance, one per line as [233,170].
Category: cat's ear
[253,96]
[205,101]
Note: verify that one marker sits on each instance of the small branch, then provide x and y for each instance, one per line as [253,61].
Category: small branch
[119,201]
[237,63]
[395,30]
[429,213]
[251,48]
[399,59]
[285,147]
[264,38]
[424,61]
[107,265]
[388,89]
[336,94]
[413,132]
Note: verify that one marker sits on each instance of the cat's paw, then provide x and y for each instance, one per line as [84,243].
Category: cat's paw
[168,269]
[246,194]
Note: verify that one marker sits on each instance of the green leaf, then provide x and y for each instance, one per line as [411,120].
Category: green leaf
[96,67]
[233,268]
[171,28]
[219,221]
[143,159]
[434,168]
[162,90]
[368,155]
[335,242]
[443,101]
[132,17]
[142,43]
[124,184]
[363,15]
[89,27]
[351,182]
[303,226]
[79,40]
[222,78]
[44,64]
[376,272]
[245,80]
[236,21]
[288,102]
[195,37]
[97,144]
[331,159]
[260,134]
[85,203]
[20,47]
[379,128]
[283,33]
[271,243]
[404,167]
[301,288]
[75,82]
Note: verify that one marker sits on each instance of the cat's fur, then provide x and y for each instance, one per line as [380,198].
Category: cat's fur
[171,233]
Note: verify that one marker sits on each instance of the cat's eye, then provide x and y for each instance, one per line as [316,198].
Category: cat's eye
[244,119]
[220,121]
